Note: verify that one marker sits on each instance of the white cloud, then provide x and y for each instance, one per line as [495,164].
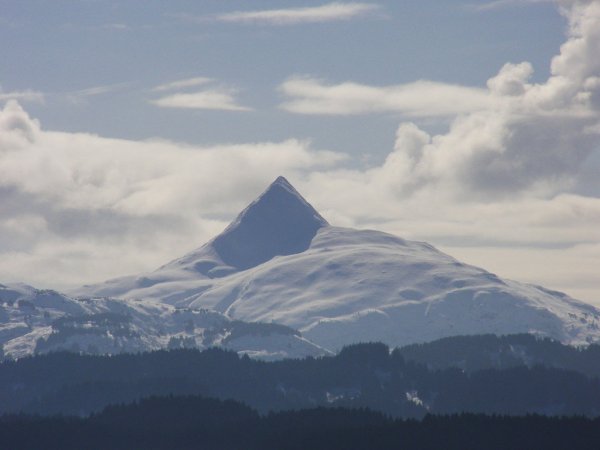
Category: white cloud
[497,4]
[215,97]
[513,137]
[81,207]
[329,12]
[87,172]
[116,26]
[74,96]
[511,80]
[418,99]
[206,99]
[83,95]
[98,90]
[181,84]
[26,95]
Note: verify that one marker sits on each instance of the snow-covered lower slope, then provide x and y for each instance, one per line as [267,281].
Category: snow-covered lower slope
[339,286]
[39,321]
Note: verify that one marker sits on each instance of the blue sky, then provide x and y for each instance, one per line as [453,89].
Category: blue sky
[63,48]
[132,131]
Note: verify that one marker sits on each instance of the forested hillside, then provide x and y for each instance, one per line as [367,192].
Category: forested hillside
[362,375]
[203,423]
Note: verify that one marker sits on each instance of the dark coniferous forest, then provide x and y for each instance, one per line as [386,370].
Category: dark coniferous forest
[204,423]
[535,376]
[464,392]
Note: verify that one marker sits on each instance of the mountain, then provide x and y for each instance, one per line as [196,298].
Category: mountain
[280,261]
[36,321]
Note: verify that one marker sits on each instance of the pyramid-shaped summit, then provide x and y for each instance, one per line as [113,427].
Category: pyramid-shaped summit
[279,222]
[280,262]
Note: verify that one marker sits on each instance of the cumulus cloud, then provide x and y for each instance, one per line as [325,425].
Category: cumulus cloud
[329,12]
[513,137]
[511,80]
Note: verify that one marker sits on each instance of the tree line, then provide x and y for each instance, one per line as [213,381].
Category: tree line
[360,376]
[194,422]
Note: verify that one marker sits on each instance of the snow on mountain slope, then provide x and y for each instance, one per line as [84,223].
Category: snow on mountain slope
[279,222]
[280,261]
[39,321]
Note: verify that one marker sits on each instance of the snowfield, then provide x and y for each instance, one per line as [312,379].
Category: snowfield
[34,321]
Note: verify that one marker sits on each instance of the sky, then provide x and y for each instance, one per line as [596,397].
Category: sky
[133,131]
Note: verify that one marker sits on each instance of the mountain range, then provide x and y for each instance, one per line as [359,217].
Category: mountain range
[280,282]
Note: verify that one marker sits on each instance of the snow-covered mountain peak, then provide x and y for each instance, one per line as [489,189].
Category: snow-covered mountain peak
[279,222]
[283,182]
[280,262]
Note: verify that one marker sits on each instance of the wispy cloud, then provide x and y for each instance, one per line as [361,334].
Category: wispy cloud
[181,84]
[26,95]
[420,98]
[215,96]
[99,90]
[75,96]
[497,4]
[82,95]
[330,12]
[115,26]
